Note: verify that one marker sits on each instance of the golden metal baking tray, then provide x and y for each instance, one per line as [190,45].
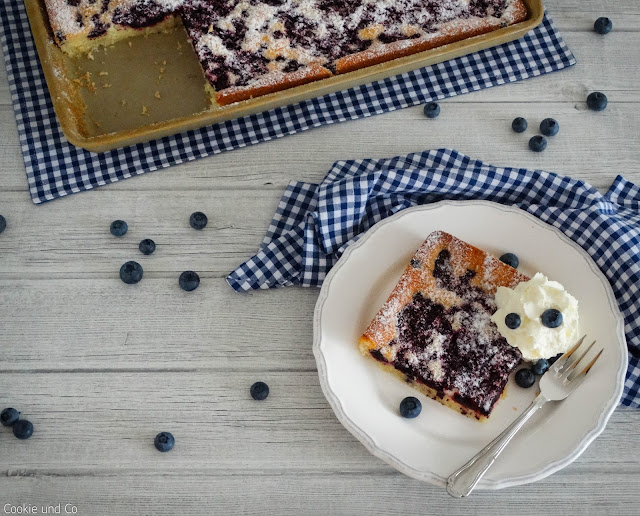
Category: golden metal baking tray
[152,86]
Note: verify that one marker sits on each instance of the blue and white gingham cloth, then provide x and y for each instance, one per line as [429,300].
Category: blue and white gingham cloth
[314,223]
[56,168]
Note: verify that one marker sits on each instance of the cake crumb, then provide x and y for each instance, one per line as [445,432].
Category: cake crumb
[90,55]
[103,73]
[162,69]
[106,85]
[164,62]
[157,94]
[123,102]
[145,111]
[130,44]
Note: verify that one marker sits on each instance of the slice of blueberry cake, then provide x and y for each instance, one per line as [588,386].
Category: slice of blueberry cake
[435,330]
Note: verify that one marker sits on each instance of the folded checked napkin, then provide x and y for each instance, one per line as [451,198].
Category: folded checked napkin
[314,224]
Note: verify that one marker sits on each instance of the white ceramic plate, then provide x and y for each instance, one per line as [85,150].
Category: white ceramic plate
[431,447]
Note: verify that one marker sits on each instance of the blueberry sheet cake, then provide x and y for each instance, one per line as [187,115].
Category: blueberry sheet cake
[249,48]
[435,330]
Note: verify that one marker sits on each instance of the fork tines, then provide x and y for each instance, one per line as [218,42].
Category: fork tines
[570,360]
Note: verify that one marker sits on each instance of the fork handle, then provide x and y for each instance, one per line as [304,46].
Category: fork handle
[462,482]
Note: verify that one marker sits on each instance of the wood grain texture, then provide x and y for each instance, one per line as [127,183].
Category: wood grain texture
[100,367]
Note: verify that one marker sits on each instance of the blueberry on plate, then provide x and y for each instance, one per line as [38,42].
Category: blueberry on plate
[519,125]
[164,441]
[118,228]
[131,272]
[9,416]
[431,110]
[147,246]
[525,378]
[603,25]
[540,367]
[259,391]
[597,101]
[549,127]
[189,281]
[410,407]
[510,259]
[22,429]
[3,223]
[538,143]
[198,220]
[551,318]
[512,321]
[552,360]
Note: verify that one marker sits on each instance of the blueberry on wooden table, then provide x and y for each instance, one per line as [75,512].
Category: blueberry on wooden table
[538,143]
[549,127]
[603,25]
[147,246]
[597,101]
[198,220]
[510,259]
[431,110]
[525,378]
[164,441]
[410,407]
[519,125]
[3,223]
[118,228]
[9,416]
[131,272]
[259,391]
[189,281]
[23,429]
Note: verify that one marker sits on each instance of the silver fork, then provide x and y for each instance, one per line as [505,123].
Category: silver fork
[556,384]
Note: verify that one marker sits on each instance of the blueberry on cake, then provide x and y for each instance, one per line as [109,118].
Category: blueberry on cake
[435,330]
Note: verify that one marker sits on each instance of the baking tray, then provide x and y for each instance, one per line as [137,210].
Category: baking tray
[152,86]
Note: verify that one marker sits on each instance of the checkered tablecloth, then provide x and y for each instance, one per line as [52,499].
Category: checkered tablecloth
[56,168]
[314,223]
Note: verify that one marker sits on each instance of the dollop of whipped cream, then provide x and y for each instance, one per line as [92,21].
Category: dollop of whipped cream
[529,299]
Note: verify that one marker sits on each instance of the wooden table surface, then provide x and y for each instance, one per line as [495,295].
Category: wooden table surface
[100,368]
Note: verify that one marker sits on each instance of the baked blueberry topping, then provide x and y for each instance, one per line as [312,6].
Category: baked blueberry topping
[259,391]
[118,228]
[603,25]
[164,441]
[3,223]
[410,407]
[23,429]
[540,367]
[198,220]
[431,110]
[519,125]
[147,246]
[538,143]
[9,416]
[189,281]
[131,272]
[525,378]
[512,321]
[549,127]
[510,259]
[597,101]
[551,318]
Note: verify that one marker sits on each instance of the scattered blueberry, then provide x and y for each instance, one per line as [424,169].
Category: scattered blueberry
[9,416]
[549,127]
[540,367]
[551,318]
[131,272]
[189,281]
[510,259]
[519,125]
[525,378]
[603,25]
[431,110]
[118,228]
[552,360]
[512,321]
[538,143]
[597,101]
[147,246]
[3,223]
[259,391]
[198,220]
[410,407]
[22,429]
[164,441]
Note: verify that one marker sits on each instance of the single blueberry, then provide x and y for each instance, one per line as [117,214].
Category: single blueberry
[549,127]
[538,143]
[118,228]
[9,416]
[147,246]
[603,25]
[597,101]
[431,110]
[22,429]
[551,318]
[410,407]
[3,223]
[189,281]
[525,378]
[512,321]
[519,125]
[259,391]
[131,272]
[198,220]
[540,367]
[510,259]
[164,441]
